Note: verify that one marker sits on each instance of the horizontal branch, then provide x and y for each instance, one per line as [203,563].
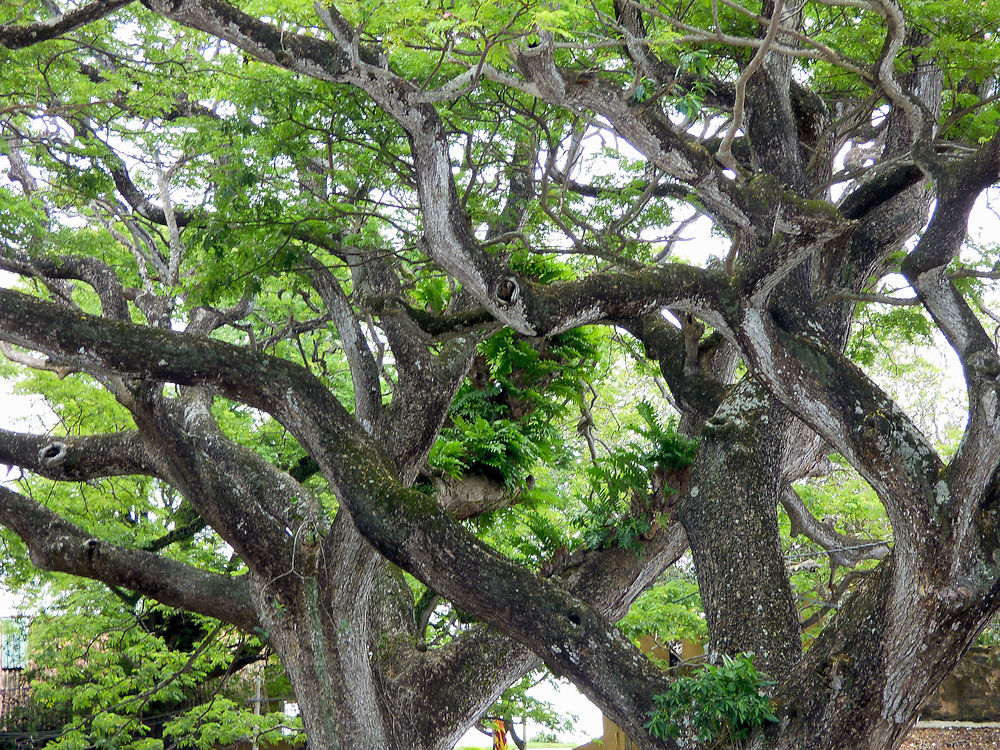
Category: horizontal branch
[553,308]
[296,52]
[77,458]
[56,544]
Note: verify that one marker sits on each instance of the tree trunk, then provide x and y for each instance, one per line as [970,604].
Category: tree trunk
[730,516]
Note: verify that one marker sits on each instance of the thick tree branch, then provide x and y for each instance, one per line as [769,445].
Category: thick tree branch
[698,392]
[55,544]
[297,52]
[17,37]
[93,271]
[558,307]
[926,270]
[610,579]
[77,459]
[262,512]
[406,526]
[852,414]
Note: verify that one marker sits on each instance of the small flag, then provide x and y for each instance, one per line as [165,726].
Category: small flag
[499,736]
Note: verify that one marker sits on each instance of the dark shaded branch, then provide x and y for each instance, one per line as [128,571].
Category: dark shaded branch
[55,544]
[92,271]
[137,199]
[179,534]
[697,391]
[18,37]
[611,579]
[302,54]
[435,325]
[882,187]
[77,458]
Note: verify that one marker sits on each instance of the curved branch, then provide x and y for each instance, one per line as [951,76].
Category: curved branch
[920,124]
[926,270]
[725,154]
[55,544]
[843,550]
[90,270]
[553,308]
[610,579]
[832,396]
[141,204]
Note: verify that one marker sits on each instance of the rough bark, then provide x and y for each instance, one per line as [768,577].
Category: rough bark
[730,516]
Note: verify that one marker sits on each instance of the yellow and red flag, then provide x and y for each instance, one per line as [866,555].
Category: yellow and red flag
[499,736]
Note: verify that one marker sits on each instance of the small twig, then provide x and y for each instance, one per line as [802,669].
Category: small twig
[173,268]
[725,154]
[881,299]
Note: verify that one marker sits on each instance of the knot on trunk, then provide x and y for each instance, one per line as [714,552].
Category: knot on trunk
[53,454]
[508,291]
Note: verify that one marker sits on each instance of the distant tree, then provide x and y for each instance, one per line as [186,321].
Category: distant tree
[328,264]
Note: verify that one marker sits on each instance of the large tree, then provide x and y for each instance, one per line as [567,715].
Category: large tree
[315,216]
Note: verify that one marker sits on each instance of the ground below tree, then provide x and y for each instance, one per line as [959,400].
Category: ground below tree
[943,738]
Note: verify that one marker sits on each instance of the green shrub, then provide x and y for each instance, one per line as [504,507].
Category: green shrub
[722,703]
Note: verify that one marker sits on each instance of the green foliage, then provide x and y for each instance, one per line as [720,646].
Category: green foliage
[720,704]
[283,168]
[845,502]
[877,333]
[115,678]
[671,610]
[215,723]
[516,704]
[504,419]
[494,447]
[618,508]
